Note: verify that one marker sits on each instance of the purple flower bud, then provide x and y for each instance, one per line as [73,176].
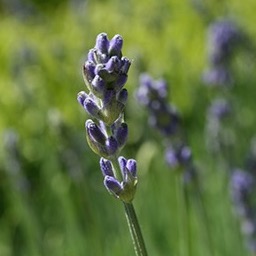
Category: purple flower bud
[98,86]
[91,107]
[111,145]
[112,185]
[94,132]
[125,65]
[102,43]
[91,55]
[132,166]
[128,168]
[102,71]
[81,96]
[122,96]
[88,72]
[121,134]
[122,163]
[113,64]
[115,46]
[106,167]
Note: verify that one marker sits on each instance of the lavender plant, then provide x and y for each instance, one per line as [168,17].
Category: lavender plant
[105,73]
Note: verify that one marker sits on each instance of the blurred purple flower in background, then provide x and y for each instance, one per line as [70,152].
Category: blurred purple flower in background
[224,38]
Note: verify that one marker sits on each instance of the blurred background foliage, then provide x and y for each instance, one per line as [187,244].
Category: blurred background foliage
[52,201]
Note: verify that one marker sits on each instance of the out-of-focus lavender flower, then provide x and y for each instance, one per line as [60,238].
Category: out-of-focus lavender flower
[218,76]
[153,95]
[242,186]
[105,73]
[179,156]
[151,91]
[223,37]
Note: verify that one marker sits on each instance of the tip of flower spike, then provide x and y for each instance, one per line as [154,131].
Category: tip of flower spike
[102,43]
[115,46]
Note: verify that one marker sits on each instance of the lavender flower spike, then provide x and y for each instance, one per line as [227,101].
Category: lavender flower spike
[105,73]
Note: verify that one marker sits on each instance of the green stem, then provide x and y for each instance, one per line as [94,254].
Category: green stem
[203,215]
[138,241]
[184,232]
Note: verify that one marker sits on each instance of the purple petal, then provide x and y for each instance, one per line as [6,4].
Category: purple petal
[115,46]
[106,167]
[102,43]
[91,107]
[122,163]
[112,185]
[94,132]
[81,96]
[132,166]
[121,134]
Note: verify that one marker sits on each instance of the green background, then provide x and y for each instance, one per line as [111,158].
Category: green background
[52,199]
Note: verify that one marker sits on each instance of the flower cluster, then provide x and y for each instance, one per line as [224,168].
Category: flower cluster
[163,116]
[124,189]
[153,95]
[223,38]
[105,73]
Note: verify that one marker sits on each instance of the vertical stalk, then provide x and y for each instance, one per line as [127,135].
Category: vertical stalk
[202,214]
[184,232]
[138,241]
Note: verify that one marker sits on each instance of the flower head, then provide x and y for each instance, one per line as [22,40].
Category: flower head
[223,38]
[153,95]
[105,74]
